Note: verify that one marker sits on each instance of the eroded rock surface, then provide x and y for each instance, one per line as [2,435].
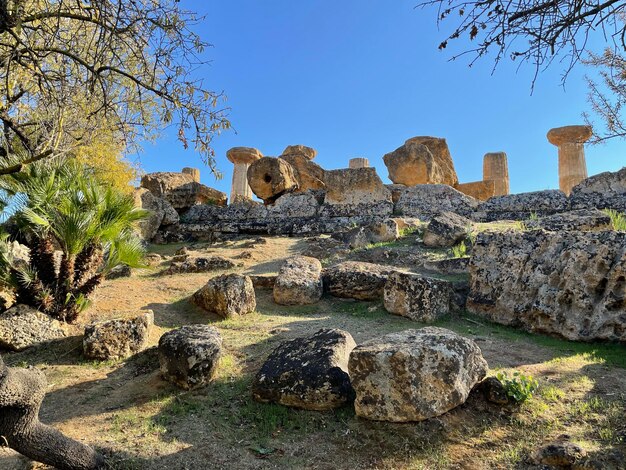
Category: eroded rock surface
[355,191]
[356,280]
[571,284]
[270,178]
[446,230]
[413,163]
[189,356]
[299,282]
[22,327]
[414,375]
[428,200]
[117,339]
[199,264]
[583,219]
[377,232]
[417,297]
[603,191]
[522,206]
[309,373]
[181,190]
[162,213]
[227,295]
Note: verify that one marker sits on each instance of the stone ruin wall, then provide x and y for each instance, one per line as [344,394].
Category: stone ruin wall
[302,198]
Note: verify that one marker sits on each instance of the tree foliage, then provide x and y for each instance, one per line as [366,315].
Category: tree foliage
[70,68]
[60,205]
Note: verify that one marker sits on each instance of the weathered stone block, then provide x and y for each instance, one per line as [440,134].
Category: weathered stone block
[117,339]
[416,297]
[299,282]
[227,295]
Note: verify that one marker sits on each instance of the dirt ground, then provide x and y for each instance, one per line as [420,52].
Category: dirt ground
[140,421]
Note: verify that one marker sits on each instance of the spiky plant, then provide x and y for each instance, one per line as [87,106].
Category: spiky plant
[60,207]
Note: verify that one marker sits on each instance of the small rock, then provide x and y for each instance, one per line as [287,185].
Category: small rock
[182,251]
[446,230]
[189,355]
[153,259]
[117,339]
[418,298]
[118,272]
[414,375]
[260,281]
[299,282]
[493,390]
[22,327]
[561,453]
[309,373]
[227,295]
[200,265]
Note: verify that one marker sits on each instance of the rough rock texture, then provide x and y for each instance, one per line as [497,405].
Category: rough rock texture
[161,213]
[21,394]
[481,190]
[300,150]
[439,149]
[378,232]
[119,272]
[560,454]
[583,219]
[244,155]
[309,175]
[446,230]
[199,265]
[413,163]
[181,191]
[603,191]
[227,295]
[117,339]
[189,355]
[356,280]
[355,191]
[414,375]
[270,178]
[309,373]
[521,206]
[570,284]
[299,282]
[427,200]
[22,327]
[416,297]
[449,266]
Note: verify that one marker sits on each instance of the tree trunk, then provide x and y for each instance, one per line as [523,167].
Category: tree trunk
[21,394]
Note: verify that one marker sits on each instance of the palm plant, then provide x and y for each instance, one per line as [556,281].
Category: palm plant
[61,207]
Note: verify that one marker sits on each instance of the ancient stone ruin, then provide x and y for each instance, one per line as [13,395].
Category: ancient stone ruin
[572,166]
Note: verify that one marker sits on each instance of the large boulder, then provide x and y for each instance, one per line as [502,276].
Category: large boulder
[161,213]
[117,339]
[309,373]
[270,178]
[181,190]
[419,298]
[299,151]
[415,163]
[309,175]
[299,282]
[522,206]
[446,230]
[603,191]
[582,219]
[227,295]
[567,283]
[295,205]
[414,375]
[22,327]
[356,280]
[355,191]
[189,356]
[425,201]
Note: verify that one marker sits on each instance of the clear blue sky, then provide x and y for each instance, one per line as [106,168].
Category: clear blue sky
[357,78]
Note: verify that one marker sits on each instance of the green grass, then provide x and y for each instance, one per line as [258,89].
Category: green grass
[618,219]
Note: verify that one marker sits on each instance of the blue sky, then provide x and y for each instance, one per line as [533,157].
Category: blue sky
[357,78]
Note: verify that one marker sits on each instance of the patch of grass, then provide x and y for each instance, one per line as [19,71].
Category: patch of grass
[618,219]
[459,251]
[519,387]
[406,231]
